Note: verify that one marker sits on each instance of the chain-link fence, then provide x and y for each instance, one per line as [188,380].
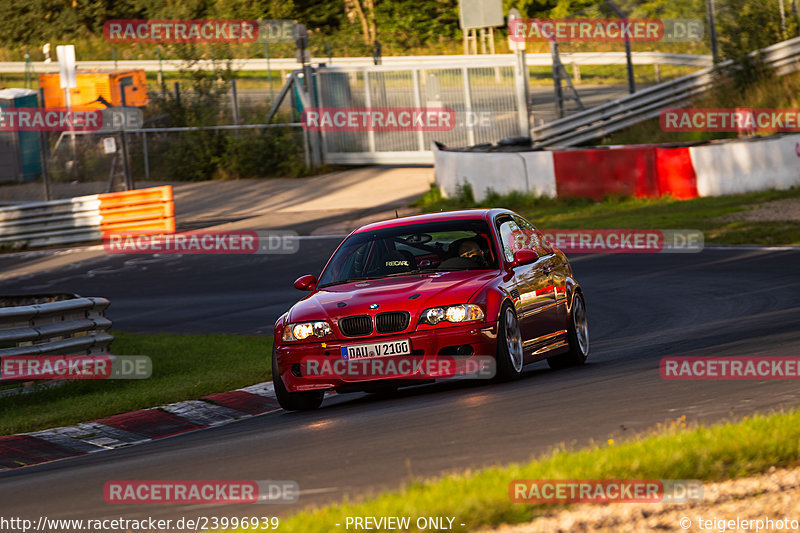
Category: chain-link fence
[484,98]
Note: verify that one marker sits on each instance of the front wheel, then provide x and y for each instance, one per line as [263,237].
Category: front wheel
[578,337]
[294,401]
[509,345]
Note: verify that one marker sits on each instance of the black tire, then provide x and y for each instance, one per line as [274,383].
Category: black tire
[509,361]
[577,335]
[294,401]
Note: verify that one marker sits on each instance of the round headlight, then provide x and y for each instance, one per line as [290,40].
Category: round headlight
[456,313]
[435,315]
[321,329]
[302,331]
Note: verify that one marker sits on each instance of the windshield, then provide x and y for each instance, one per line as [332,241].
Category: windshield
[405,250]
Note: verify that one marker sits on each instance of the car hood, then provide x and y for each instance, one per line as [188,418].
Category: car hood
[407,293]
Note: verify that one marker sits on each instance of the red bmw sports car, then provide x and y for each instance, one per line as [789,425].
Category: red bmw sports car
[431,288]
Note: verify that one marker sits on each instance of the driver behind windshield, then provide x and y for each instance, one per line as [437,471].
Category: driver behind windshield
[469,255]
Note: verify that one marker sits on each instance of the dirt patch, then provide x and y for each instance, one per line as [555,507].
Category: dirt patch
[774,495]
[786,210]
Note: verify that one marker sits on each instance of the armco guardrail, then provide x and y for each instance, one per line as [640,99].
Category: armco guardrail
[174,65]
[784,57]
[88,218]
[63,324]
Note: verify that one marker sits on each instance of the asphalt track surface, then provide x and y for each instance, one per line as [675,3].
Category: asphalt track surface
[642,307]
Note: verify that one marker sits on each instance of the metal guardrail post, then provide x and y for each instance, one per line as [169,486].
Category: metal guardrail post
[305,98]
[145,155]
[522,90]
[368,105]
[418,104]
[468,106]
[559,94]
[43,156]
[235,102]
[126,162]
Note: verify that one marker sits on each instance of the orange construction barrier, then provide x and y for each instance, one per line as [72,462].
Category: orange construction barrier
[138,212]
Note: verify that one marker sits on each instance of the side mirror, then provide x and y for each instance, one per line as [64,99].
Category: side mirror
[305,283]
[524,257]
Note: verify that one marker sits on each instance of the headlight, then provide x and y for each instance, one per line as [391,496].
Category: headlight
[303,330]
[452,313]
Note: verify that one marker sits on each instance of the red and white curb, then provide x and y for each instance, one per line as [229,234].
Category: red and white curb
[136,427]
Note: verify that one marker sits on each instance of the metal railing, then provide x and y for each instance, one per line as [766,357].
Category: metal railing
[485,87]
[86,218]
[285,64]
[599,121]
[55,222]
[65,324]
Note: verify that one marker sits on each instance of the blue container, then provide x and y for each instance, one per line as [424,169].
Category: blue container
[20,158]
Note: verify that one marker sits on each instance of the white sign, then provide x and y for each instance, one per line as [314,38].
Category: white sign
[109,145]
[474,14]
[66,66]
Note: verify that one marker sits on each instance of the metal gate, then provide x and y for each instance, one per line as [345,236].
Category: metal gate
[488,97]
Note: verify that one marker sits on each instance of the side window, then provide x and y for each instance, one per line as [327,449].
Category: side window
[508,230]
[519,235]
[532,238]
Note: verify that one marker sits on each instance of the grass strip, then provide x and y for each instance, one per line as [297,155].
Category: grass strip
[638,213]
[185,367]
[672,451]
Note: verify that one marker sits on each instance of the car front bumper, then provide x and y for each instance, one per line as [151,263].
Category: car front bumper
[295,358]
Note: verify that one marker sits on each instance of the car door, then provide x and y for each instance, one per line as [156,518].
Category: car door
[559,271]
[556,268]
[530,281]
[542,318]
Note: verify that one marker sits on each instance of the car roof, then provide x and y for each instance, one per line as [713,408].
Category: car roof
[442,216]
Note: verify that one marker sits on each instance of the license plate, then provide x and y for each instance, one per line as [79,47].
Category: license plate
[376,349]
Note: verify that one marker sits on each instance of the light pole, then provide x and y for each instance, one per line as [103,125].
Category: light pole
[712,30]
